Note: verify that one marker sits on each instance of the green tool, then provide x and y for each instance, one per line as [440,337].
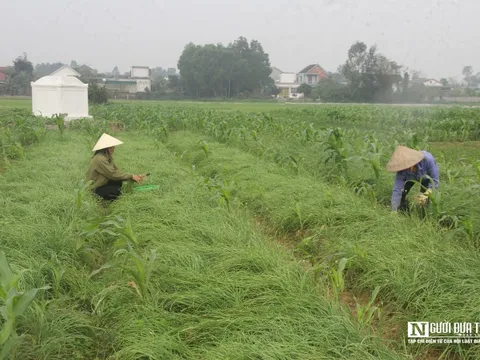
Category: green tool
[146,187]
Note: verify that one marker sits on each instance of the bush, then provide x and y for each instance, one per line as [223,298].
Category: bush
[97,94]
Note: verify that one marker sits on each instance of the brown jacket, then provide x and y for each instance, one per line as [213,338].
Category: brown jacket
[102,169]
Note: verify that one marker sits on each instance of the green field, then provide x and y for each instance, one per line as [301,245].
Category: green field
[271,236]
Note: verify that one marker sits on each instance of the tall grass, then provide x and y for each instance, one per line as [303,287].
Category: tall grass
[217,288]
[420,270]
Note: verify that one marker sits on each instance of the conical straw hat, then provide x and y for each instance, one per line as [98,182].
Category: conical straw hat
[404,158]
[106,141]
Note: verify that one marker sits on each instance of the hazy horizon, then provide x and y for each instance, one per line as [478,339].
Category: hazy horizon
[436,38]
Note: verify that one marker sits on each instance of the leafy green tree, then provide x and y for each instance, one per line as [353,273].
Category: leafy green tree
[467,74]
[159,85]
[329,90]
[158,72]
[22,64]
[115,72]
[305,89]
[20,75]
[215,70]
[370,75]
[87,74]
[444,82]
[97,94]
[405,82]
[173,83]
[45,69]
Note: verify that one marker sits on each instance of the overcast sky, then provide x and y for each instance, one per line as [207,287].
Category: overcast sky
[437,37]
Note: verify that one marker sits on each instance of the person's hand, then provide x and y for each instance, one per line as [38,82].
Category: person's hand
[138,178]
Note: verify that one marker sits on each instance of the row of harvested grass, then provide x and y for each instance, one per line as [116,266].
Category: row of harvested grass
[218,289]
[425,274]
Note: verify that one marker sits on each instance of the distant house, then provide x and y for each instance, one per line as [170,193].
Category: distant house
[121,86]
[311,75]
[288,86]
[432,83]
[275,74]
[288,83]
[140,72]
[65,70]
[137,81]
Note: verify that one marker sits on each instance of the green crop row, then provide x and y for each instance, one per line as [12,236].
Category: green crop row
[423,273]
[309,141]
[167,274]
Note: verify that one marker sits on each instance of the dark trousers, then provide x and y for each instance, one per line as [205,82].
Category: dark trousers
[111,191]
[404,206]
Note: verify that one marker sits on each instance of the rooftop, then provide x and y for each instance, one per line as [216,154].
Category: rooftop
[59,81]
[308,68]
[119,81]
[67,70]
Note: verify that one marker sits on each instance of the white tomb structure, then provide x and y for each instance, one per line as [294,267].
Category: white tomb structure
[57,94]
[65,70]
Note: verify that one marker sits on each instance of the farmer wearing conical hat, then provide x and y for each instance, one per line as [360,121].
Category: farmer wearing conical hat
[410,166]
[106,177]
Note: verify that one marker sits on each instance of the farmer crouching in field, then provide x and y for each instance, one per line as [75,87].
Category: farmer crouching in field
[410,166]
[106,177]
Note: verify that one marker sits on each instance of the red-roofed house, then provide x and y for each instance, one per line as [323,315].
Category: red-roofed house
[311,75]
[3,75]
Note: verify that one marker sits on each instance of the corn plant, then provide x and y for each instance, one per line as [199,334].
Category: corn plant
[308,133]
[127,241]
[295,163]
[436,203]
[261,149]
[223,190]
[57,278]
[336,277]
[205,147]
[160,135]
[59,120]
[414,140]
[336,149]
[463,227]
[368,188]
[308,249]
[13,304]
[81,192]
[300,216]
[372,156]
[467,225]
[115,226]
[466,129]
[143,268]
[366,312]
[452,175]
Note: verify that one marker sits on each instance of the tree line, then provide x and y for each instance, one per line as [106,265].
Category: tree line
[242,69]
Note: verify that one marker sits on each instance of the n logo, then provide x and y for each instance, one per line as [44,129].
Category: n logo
[418,329]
